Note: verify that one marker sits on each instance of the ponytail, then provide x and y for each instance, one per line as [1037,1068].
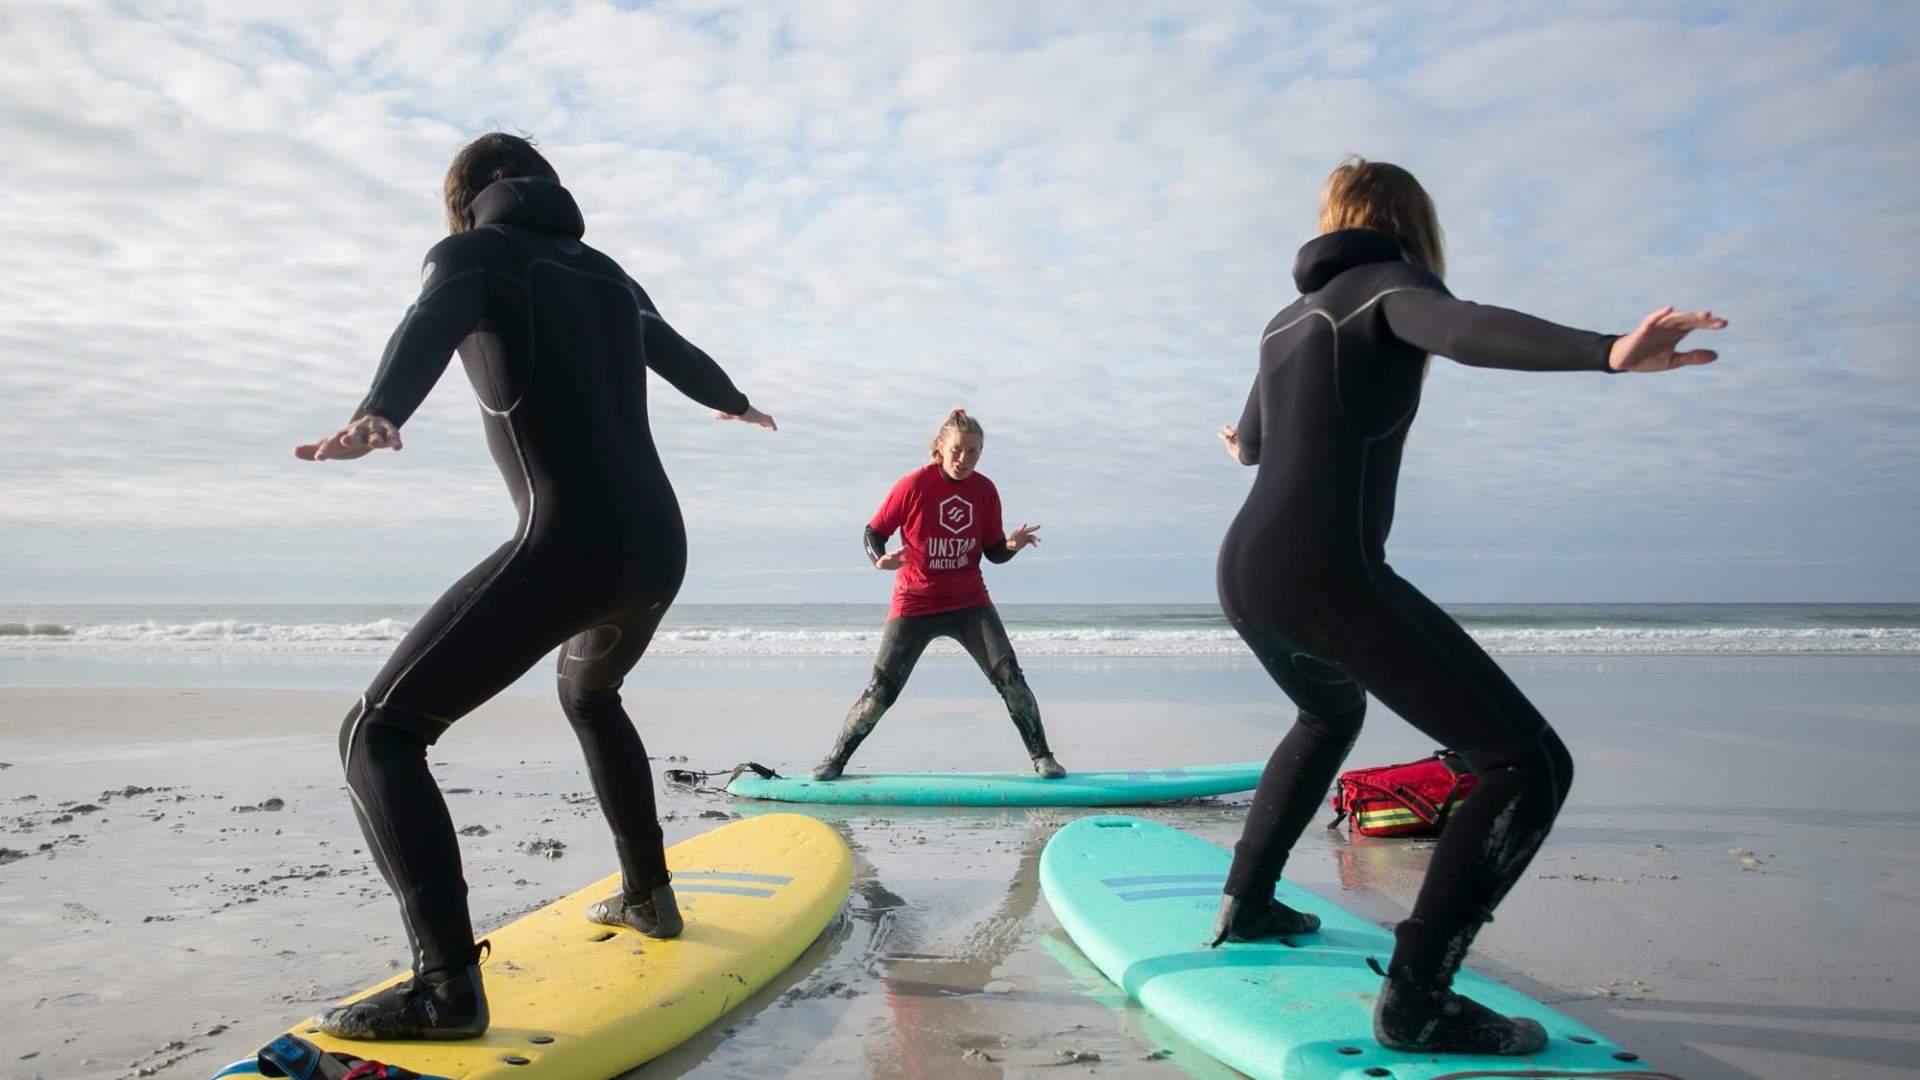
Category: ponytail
[958,422]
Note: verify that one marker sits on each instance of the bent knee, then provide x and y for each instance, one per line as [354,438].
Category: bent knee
[350,729]
[585,704]
[1338,721]
[373,730]
[1536,759]
[377,740]
[1562,761]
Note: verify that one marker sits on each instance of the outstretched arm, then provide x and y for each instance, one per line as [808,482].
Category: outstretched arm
[690,369]
[1482,336]
[453,296]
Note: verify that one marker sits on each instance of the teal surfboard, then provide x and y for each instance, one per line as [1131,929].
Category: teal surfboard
[1123,788]
[1139,899]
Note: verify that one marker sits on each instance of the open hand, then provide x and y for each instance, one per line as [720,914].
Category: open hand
[892,560]
[357,439]
[1231,437]
[1022,537]
[751,416]
[1649,346]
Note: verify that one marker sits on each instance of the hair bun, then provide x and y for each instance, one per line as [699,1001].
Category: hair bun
[959,422]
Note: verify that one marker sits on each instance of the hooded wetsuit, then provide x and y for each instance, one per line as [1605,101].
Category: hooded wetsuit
[1304,580]
[557,341]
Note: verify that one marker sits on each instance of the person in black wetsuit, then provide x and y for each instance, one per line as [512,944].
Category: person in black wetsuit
[557,341]
[1303,578]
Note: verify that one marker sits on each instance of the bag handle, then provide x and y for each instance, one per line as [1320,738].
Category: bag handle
[1419,807]
[1446,801]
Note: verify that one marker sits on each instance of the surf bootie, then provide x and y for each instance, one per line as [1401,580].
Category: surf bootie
[1435,1020]
[829,769]
[431,1005]
[1251,920]
[1048,768]
[658,916]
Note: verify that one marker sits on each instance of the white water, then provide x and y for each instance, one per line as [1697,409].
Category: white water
[241,637]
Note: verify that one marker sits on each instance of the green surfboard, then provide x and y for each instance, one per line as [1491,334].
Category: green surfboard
[1134,787]
[1139,899]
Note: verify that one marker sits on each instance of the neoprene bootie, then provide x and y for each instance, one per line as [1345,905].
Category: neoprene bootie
[658,916]
[1048,768]
[1435,1020]
[829,769]
[430,1005]
[1242,920]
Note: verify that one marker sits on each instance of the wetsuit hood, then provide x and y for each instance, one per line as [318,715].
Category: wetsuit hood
[531,203]
[1322,258]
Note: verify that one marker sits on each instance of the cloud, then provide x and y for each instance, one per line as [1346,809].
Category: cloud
[1072,218]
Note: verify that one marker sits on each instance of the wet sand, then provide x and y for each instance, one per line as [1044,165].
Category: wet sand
[1731,890]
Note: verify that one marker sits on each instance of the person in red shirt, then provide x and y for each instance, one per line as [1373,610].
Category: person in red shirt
[948,517]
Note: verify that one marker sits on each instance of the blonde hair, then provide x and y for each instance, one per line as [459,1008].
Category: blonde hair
[1362,194]
[959,423]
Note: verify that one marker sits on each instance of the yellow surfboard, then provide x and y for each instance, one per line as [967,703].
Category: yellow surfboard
[574,1000]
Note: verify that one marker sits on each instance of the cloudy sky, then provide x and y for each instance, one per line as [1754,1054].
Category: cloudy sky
[1073,218]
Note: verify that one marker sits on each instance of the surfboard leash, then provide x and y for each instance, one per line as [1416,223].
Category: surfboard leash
[697,780]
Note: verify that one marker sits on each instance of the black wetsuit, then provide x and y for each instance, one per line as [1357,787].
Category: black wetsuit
[557,341]
[1303,578]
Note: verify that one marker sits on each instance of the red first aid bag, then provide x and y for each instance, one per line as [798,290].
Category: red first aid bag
[1414,798]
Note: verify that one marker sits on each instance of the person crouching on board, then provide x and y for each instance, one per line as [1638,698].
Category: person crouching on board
[557,341]
[1303,578]
[948,517]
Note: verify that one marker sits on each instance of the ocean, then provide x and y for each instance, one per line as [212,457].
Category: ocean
[1038,630]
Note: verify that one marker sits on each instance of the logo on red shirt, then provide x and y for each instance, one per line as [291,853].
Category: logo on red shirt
[956,514]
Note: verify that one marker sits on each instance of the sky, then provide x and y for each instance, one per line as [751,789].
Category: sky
[1074,219]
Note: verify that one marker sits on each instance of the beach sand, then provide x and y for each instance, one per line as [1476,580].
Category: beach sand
[1731,891]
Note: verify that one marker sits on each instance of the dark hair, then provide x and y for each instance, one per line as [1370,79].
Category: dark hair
[493,156]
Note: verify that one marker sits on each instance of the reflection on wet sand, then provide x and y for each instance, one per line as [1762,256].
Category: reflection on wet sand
[938,973]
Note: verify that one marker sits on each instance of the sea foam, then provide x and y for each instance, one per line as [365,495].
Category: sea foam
[382,635]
